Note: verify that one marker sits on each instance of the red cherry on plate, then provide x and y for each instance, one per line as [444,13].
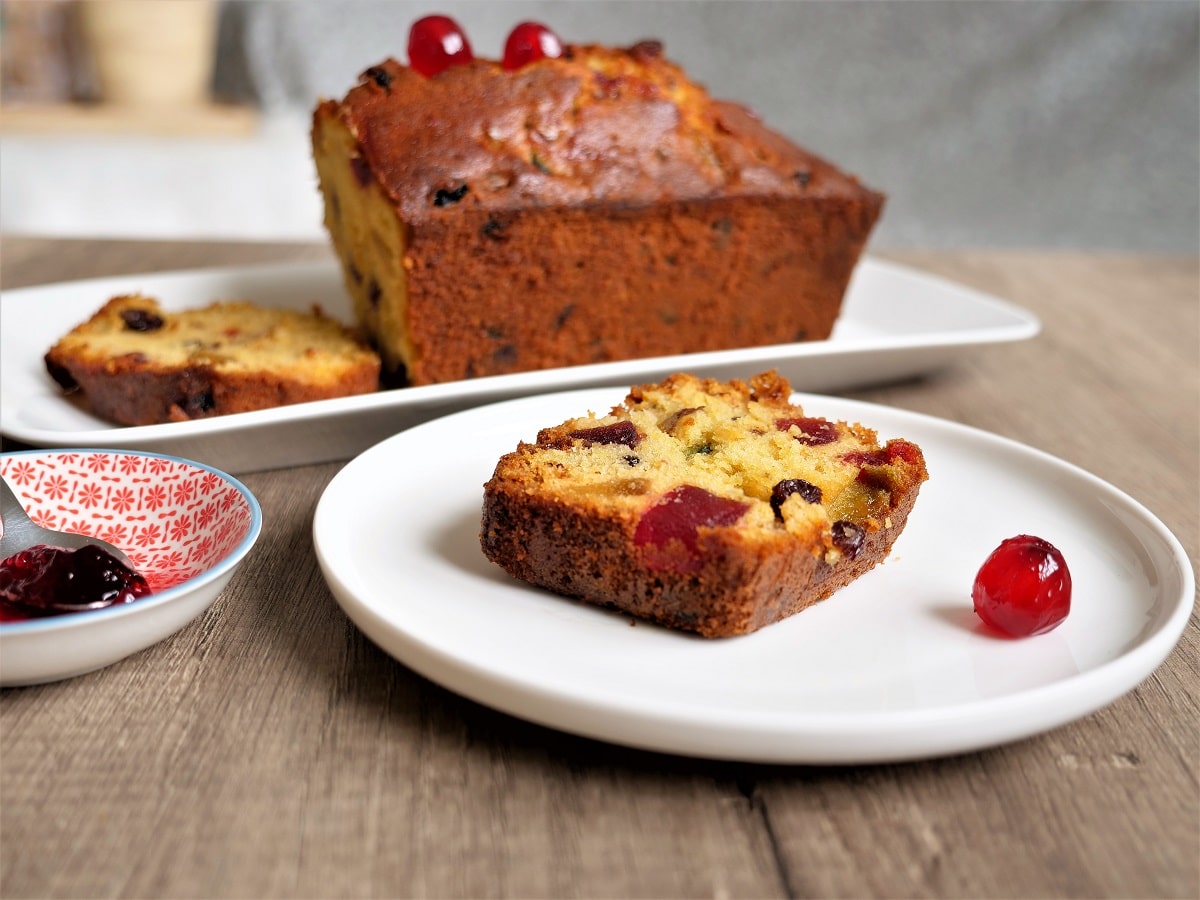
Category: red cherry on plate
[435,43]
[1024,587]
[529,42]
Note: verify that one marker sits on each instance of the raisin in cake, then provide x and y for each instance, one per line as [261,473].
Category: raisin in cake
[138,364]
[591,207]
[706,506]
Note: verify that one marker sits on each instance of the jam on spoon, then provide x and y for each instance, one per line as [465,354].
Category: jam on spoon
[45,572]
[49,581]
[46,581]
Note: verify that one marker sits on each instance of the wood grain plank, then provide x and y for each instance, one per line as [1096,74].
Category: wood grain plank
[1106,806]
[27,260]
[269,749]
[342,770]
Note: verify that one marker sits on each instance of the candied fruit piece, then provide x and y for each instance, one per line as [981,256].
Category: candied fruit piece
[848,537]
[813,431]
[1024,587]
[529,42]
[865,457]
[623,432]
[784,489]
[669,423]
[898,450]
[141,319]
[903,450]
[435,43]
[668,529]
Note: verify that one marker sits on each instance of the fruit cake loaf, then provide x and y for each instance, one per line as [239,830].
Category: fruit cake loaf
[589,207]
[706,506]
[138,364]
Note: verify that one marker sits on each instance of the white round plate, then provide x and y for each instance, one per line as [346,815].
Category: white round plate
[896,666]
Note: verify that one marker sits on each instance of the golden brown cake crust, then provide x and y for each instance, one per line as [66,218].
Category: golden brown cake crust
[560,515]
[577,210]
[606,126]
[741,588]
[138,364]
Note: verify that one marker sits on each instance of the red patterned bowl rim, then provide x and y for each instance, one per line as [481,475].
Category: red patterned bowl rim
[178,520]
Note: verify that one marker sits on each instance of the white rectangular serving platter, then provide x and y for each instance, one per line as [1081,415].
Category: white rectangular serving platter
[896,323]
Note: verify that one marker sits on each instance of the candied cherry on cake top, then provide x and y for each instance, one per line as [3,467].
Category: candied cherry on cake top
[435,43]
[1024,587]
[529,42]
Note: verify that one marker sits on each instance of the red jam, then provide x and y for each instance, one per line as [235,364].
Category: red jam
[435,43]
[529,42]
[48,581]
[1023,588]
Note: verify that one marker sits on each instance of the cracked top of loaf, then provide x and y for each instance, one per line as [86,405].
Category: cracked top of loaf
[598,125]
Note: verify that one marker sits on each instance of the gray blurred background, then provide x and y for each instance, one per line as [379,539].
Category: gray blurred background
[988,123]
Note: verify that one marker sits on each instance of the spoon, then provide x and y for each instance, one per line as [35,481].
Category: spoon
[20,533]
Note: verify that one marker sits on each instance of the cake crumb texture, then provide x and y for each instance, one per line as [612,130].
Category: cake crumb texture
[712,507]
[139,364]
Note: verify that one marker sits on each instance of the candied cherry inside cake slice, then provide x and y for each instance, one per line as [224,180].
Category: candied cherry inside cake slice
[676,518]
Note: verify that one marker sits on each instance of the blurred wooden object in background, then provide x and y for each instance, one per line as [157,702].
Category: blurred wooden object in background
[39,46]
[151,54]
[119,66]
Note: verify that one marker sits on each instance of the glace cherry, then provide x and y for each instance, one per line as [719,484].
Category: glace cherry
[676,518]
[435,43]
[623,432]
[1024,587]
[529,42]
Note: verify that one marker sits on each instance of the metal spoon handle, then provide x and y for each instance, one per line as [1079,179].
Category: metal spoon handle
[20,532]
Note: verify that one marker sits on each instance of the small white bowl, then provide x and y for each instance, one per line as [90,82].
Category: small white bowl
[184,525]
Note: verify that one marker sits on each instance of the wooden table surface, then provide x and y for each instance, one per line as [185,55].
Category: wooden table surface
[269,750]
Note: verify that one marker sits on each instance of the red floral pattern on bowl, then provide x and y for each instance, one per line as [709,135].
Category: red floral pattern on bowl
[173,518]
